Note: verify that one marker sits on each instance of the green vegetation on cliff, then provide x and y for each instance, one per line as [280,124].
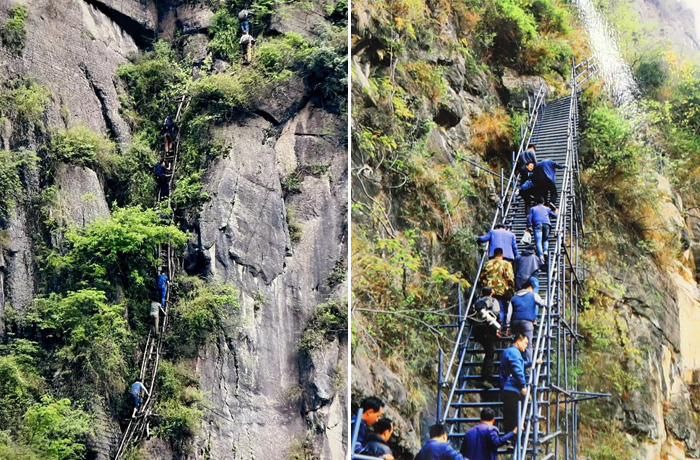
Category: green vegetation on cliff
[428,106]
[68,358]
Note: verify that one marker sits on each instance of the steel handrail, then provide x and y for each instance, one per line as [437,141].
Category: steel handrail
[530,412]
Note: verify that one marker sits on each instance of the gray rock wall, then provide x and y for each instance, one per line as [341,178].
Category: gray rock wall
[245,241]
[253,378]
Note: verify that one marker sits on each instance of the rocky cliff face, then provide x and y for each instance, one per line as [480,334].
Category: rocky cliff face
[254,378]
[658,306]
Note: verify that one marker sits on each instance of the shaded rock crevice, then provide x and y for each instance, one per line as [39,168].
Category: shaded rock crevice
[142,36]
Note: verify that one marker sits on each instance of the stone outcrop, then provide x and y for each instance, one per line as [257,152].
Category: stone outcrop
[79,195]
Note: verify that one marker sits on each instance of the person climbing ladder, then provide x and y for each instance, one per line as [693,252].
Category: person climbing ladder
[247,41]
[163,283]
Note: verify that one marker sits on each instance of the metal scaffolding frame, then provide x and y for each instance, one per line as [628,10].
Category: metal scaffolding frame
[548,417]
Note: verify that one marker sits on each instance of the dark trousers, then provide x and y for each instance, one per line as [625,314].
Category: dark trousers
[164,184]
[510,409]
[548,191]
[486,336]
[504,301]
[526,327]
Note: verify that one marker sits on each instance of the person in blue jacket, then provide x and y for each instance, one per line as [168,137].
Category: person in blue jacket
[136,389]
[524,313]
[528,269]
[482,441]
[163,286]
[538,219]
[437,448]
[502,238]
[372,408]
[528,156]
[544,179]
[513,381]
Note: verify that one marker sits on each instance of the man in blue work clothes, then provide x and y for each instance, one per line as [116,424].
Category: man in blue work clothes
[372,408]
[513,381]
[524,313]
[437,448]
[163,283]
[136,389]
[482,441]
[538,219]
[502,238]
[544,179]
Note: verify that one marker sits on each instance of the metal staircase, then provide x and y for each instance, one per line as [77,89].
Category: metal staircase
[138,427]
[548,417]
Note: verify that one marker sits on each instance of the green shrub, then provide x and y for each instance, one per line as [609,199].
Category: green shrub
[136,182]
[180,403]
[83,147]
[329,320]
[225,41]
[293,224]
[24,102]
[188,192]
[20,386]
[506,27]
[650,75]
[121,249]
[155,82]
[13,33]
[91,335]
[57,430]
[200,313]
[10,180]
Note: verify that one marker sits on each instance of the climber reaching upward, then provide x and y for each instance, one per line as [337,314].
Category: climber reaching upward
[162,179]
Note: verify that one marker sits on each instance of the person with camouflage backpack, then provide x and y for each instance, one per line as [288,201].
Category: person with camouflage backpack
[498,275]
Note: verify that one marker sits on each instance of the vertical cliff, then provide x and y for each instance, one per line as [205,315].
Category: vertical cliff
[438,89]
[271,221]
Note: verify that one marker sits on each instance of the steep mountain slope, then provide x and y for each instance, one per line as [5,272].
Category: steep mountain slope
[266,215]
[439,88]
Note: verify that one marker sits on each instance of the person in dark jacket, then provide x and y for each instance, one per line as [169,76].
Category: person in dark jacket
[372,408]
[437,448]
[163,286]
[544,180]
[168,130]
[376,442]
[538,218]
[161,173]
[524,313]
[484,332]
[527,188]
[528,156]
[513,381]
[528,269]
[482,441]
[502,238]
